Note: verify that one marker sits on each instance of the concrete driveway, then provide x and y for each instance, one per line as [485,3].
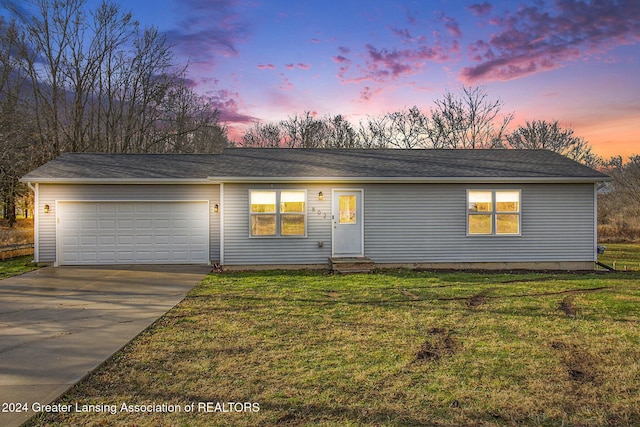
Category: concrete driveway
[59,324]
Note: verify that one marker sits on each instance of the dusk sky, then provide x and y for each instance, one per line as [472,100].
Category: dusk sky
[574,61]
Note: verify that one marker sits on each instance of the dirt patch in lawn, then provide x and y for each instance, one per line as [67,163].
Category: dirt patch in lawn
[567,305]
[478,299]
[439,343]
[581,365]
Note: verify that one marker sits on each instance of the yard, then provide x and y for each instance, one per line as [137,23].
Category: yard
[392,348]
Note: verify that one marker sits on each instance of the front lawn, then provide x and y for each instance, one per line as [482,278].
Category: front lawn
[392,348]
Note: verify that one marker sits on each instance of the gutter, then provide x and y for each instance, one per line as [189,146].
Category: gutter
[306,179]
[408,180]
[142,181]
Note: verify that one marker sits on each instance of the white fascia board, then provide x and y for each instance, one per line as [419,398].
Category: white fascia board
[364,180]
[407,180]
[116,181]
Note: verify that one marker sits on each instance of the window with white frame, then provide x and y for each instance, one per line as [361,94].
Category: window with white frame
[278,213]
[493,212]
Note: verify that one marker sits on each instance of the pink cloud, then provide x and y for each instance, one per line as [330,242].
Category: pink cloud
[227,103]
[289,66]
[411,18]
[266,67]
[452,27]
[204,33]
[314,40]
[533,39]
[480,8]
[367,93]
[286,83]
[390,64]
[304,66]
[384,64]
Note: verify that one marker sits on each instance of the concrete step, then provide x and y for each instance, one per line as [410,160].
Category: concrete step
[351,265]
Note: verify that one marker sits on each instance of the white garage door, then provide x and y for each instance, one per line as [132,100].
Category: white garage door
[133,233]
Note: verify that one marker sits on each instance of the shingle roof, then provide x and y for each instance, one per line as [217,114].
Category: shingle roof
[309,164]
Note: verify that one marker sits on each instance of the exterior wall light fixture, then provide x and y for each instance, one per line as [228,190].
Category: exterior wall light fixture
[320,196]
[46,208]
[216,208]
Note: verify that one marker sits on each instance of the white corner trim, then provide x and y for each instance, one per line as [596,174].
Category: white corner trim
[221,212]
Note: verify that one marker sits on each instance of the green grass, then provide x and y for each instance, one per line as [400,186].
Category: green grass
[625,256]
[396,348]
[16,266]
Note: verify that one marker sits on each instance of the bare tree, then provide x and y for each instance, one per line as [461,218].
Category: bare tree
[468,121]
[102,83]
[268,135]
[619,201]
[188,124]
[540,134]
[408,128]
[341,134]
[626,176]
[303,131]
[375,132]
[17,148]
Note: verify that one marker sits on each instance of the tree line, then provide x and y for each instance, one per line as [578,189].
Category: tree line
[79,79]
[470,120]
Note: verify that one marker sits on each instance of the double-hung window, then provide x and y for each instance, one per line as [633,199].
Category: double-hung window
[493,212]
[278,213]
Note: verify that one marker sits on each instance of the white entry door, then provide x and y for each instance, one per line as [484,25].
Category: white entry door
[348,230]
[133,233]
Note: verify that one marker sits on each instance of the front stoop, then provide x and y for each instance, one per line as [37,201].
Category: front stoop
[351,265]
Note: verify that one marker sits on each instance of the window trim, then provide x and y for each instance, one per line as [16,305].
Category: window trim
[494,212]
[278,214]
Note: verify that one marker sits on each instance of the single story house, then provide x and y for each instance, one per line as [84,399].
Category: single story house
[270,208]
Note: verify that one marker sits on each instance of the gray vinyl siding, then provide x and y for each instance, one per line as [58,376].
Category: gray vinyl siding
[240,249]
[427,223]
[403,223]
[422,223]
[48,194]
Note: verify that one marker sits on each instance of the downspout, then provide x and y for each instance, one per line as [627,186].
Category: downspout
[36,216]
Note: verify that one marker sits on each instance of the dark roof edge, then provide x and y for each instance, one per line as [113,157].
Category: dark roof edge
[307,180]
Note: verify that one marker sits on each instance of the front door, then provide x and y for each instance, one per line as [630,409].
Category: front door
[347,223]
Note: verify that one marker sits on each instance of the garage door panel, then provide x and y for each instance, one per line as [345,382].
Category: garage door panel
[123,257]
[89,241]
[161,223]
[107,208]
[125,224]
[107,257]
[107,224]
[89,225]
[89,257]
[142,239]
[133,232]
[123,208]
[199,240]
[144,224]
[125,240]
[108,240]
[145,208]
[87,209]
